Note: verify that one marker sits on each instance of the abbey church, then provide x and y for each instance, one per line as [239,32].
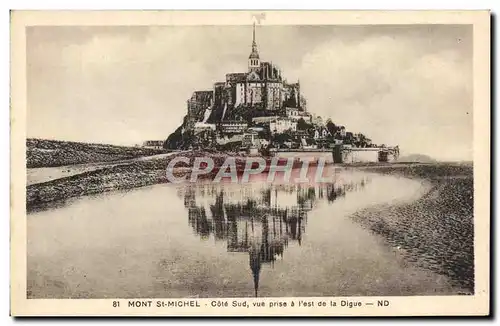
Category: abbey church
[261,88]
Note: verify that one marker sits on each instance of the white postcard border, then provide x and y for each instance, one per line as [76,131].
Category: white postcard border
[399,306]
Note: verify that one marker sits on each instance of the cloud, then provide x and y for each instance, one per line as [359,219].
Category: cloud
[406,86]
[395,92]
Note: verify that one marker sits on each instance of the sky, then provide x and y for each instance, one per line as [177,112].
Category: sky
[400,85]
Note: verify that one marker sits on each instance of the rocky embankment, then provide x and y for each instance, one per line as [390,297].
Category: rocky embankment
[48,153]
[436,231]
[118,177]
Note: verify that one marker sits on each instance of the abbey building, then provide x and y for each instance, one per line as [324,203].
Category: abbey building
[257,111]
[262,88]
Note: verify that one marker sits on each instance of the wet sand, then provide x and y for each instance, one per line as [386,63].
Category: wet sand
[436,232]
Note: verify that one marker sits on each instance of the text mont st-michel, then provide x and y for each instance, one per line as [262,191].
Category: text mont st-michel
[238,303]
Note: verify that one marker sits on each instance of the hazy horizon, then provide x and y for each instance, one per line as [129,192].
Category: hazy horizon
[400,85]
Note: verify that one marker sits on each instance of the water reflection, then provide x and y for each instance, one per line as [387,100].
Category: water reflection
[232,240]
[258,218]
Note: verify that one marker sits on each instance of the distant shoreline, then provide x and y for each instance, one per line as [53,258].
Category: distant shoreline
[88,169]
[110,176]
[138,173]
[51,153]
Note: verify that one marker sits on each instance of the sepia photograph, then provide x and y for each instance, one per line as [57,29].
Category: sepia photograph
[261,163]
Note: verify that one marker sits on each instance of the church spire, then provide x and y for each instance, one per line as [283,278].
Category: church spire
[255,265]
[253,59]
[254,44]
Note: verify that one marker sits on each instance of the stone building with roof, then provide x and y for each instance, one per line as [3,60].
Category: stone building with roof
[261,87]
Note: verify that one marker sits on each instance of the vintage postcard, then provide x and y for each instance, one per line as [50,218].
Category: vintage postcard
[246,163]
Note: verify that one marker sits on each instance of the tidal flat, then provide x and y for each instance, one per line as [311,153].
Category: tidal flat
[435,231]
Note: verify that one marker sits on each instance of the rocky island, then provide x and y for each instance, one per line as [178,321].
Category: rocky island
[257,111]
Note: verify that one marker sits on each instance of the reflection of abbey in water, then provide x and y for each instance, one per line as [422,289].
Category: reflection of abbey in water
[257,219]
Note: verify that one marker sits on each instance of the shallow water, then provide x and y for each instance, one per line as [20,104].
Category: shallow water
[225,240]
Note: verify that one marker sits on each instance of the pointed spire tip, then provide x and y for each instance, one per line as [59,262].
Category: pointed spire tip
[253,39]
